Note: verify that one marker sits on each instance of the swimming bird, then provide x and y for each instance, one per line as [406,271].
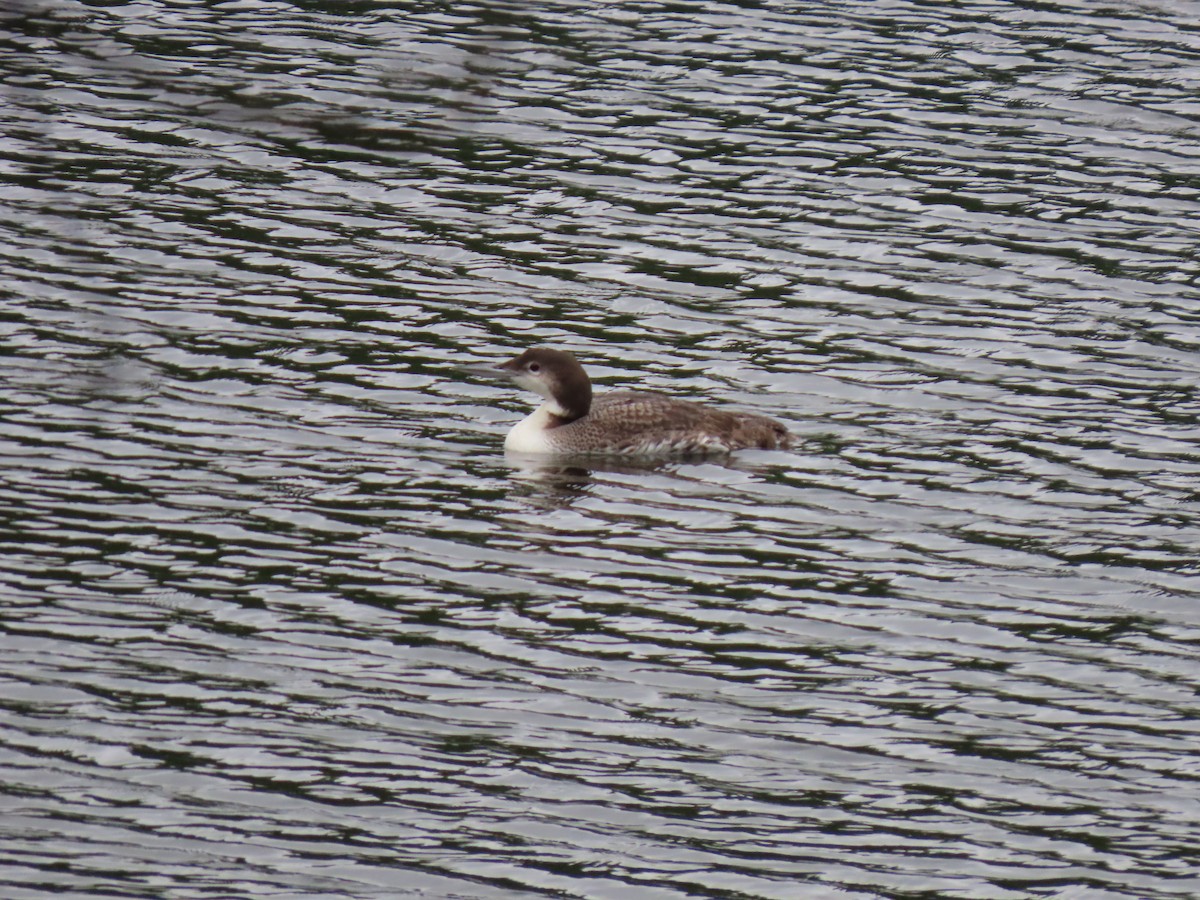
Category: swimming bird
[572,421]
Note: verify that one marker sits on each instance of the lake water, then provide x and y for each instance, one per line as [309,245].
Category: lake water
[279,618]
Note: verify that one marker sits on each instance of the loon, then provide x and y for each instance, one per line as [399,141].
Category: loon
[624,423]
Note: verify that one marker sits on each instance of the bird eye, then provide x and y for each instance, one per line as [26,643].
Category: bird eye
[534,367]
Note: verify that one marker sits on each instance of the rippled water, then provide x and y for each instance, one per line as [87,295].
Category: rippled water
[279,618]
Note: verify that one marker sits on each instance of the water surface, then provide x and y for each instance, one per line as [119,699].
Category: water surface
[280,618]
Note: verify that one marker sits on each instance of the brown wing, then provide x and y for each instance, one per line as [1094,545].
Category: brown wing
[624,421]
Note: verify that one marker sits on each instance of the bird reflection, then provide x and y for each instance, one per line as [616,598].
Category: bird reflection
[551,482]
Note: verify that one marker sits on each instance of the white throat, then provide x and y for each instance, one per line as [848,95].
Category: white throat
[532,433]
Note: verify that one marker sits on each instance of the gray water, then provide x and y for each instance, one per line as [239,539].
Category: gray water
[281,620]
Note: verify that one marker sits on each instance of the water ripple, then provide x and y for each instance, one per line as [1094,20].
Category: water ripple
[278,616]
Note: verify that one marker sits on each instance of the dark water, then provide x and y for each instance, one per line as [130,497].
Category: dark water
[279,619]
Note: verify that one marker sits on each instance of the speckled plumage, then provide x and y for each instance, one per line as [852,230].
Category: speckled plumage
[650,424]
[625,423]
